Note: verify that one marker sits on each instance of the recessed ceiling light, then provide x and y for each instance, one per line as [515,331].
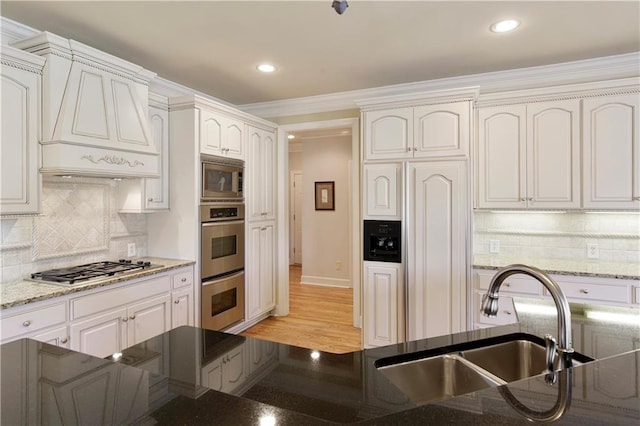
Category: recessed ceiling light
[266,68]
[291,136]
[505,26]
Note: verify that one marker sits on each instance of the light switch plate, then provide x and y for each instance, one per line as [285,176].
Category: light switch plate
[494,246]
[593,252]
[131,249]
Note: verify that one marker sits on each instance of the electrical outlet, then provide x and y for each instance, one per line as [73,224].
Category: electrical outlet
[131,249]
[338,265]
[494,246]
[593,252]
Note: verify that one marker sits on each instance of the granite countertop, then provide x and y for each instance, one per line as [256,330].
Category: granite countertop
[584,268]
[194,376]
[22,292]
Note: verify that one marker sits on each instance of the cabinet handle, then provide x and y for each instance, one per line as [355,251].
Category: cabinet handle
[584,291]
[64,340]
[415,148]
[530,199]
[150,200]
[523,199]
[125,319]
[507,312]
[176,301]
[27,323]
[184,280]
[132,317]
[409,149]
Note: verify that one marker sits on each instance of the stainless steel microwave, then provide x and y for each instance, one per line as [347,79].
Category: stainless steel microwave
[221,178]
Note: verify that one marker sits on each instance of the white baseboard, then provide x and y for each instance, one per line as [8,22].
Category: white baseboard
[324,281]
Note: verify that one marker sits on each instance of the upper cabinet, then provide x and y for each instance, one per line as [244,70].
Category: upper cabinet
[19,151]
[528,155]
[382,195]
[94,115]
[260,173]
[570,147]
[611,152]
[421,126]
[221,135]
[150,194]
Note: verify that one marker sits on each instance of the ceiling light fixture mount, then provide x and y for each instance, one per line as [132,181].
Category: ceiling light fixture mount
[266,68]
[505,26]
[340,6]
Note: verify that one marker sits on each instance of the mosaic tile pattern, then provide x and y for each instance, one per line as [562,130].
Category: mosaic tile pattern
[75,219]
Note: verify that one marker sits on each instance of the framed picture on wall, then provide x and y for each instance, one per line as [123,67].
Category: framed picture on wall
[325,197]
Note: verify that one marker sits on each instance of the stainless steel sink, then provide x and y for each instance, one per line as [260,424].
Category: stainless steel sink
[455,370]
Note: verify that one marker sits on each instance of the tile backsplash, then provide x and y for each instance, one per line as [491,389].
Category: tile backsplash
[558,235]
[79,224]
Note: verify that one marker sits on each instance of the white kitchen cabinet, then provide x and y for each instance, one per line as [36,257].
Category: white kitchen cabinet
[20,180]
[261,353]
[611,152]
[227,373]
[182,308]
[383,190]
[529,155]
[111,332]
[33,320]
[260,269]
[150,194]
[57,337]
[221,135]
[260,174]
[383,322]
[436,261]
[425,131]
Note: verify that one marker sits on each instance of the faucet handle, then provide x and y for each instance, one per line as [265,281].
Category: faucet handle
[489,305]
[551,350]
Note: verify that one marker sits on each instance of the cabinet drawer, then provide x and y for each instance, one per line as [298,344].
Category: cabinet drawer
[182,279]
[520,284]
[506,312]
[595,292]
[110,299]
[34,320]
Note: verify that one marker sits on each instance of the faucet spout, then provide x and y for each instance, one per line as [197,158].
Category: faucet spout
[490,304]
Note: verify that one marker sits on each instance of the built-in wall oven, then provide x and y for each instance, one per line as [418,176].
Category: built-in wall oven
[222,264]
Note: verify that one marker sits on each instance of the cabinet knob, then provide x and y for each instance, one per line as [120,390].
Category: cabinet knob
[523,200]
[636,198]
[132,317]
[64,340]
[125,319]
[415,148]
[530,199]
[507,312]
[507,284]
[27,323]
[150,200]
[408,149]
[584,291]
[184,280]
[176,301]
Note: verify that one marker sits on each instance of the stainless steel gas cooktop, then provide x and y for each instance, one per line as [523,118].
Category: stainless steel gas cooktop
[82,273]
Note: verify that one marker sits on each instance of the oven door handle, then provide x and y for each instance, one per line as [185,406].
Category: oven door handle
[223,222]
[223,278]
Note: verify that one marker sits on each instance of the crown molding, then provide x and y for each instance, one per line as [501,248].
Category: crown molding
[12,31]
[584,71]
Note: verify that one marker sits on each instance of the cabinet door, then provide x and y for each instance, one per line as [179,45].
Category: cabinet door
[182,308]
[233,369]
[233,142]
[382,299]
[101,335]
[502,157]
[156,191]
[441,130]
[211,129]
[148,318]
[260,296]
[260,353]
[553,154]
[382,191]
[388,134]
[57,337]
[260,171]
[611,152]
[20,132]
[211,376]
[437,245]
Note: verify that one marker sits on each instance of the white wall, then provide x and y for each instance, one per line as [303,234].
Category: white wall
[326,252]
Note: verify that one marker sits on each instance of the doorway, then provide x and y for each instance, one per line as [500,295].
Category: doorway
[295,217]
[286,231]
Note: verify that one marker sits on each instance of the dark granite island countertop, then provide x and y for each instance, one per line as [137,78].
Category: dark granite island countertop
[193,376]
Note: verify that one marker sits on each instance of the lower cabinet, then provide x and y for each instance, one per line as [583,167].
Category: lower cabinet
[227,373]
[259,271]
[384,304]
[116,330]
[182,308]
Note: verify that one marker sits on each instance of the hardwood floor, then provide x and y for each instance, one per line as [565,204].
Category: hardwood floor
[319,318]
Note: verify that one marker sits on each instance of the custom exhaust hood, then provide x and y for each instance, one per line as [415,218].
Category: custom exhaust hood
[94,112]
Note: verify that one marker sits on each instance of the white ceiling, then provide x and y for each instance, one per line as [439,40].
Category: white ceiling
[214,46]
